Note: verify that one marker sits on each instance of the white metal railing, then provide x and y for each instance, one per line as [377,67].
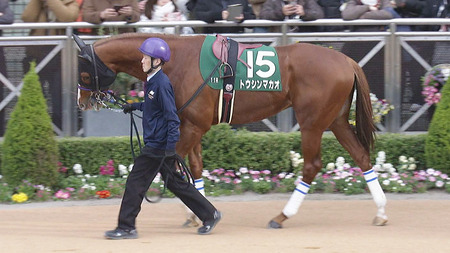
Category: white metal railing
[391,41]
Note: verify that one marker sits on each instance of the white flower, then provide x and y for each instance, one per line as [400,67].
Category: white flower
[439,183]
[392,170]
[430,171]
[205,173]
[130,167]
[77,169]
[330,166]
[377,167]
[411,160]
[412,167]
[243,170]
[87,176]
[403,159]
[122,170]
[340,161]
[1,176]
[282,175]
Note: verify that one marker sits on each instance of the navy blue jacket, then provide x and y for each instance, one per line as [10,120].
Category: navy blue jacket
[160,120]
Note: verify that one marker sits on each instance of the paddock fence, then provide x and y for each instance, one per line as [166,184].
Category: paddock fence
[393,60]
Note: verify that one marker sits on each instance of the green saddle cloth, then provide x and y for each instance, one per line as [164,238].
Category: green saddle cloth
[262,75]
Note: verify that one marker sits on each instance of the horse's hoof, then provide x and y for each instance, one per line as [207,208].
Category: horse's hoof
[274,225]
[191,222]
[378,221]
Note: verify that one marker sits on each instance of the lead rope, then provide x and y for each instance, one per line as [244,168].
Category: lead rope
[184,170]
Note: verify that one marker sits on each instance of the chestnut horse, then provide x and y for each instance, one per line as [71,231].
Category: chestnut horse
[318,83]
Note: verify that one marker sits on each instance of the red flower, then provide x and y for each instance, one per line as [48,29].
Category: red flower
[103,194]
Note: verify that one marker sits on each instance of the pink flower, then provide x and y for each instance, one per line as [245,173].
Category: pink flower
[132,93]
[62,194]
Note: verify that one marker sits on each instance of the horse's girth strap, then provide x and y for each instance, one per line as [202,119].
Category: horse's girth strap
[228,83]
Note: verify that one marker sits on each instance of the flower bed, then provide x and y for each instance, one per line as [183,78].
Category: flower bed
[336,177]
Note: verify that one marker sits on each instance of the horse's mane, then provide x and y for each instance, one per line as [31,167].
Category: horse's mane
[126,36]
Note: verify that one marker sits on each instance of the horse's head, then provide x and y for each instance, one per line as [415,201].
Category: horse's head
[94,77]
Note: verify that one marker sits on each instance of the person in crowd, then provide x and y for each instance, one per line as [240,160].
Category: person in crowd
[98,11]
[6,17]
[182,6]
[6,14]
[50,11]
[367,9]
[215,10]
[256,7]
[279,10]
[331,9]
[161,133]
[80,19]
[436,9]
[162,10]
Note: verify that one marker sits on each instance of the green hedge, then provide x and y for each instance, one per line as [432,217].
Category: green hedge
[437,149]
[231,149]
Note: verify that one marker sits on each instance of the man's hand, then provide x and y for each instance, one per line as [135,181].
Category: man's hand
[127,108]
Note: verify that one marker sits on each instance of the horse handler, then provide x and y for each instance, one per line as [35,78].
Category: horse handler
[161,132]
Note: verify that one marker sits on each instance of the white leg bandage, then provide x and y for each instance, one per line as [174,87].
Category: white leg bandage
[200,185]
[376,191]
[296,199]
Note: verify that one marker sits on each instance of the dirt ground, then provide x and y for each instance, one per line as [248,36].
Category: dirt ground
[325,223]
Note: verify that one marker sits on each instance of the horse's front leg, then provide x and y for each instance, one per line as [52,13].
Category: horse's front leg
[196,167]
[312,165]
[190,145]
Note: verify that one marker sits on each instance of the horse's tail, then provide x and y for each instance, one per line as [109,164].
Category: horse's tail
[365,127]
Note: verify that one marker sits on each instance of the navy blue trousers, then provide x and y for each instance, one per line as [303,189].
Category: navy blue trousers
[144,171]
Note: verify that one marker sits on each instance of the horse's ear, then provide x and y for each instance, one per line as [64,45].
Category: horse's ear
[85,57]
[80,42]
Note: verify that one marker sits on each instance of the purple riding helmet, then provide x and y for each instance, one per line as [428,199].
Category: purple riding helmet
[156,48]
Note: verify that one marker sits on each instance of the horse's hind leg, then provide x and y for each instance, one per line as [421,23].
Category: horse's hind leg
[349,141]
[311,141]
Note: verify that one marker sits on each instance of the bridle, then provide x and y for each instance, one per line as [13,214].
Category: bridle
[98,95]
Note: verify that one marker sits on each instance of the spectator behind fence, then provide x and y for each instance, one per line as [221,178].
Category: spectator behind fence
[367,9]
[256,7]
[6,14]
[80,19]
[214,10]
[98,11]
[50,11]
[331,9]
[436,9]
[162,10]
[6,17]
[279,10]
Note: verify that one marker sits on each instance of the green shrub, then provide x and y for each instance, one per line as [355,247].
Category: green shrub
[231,149]
[437,147]
[30,150]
